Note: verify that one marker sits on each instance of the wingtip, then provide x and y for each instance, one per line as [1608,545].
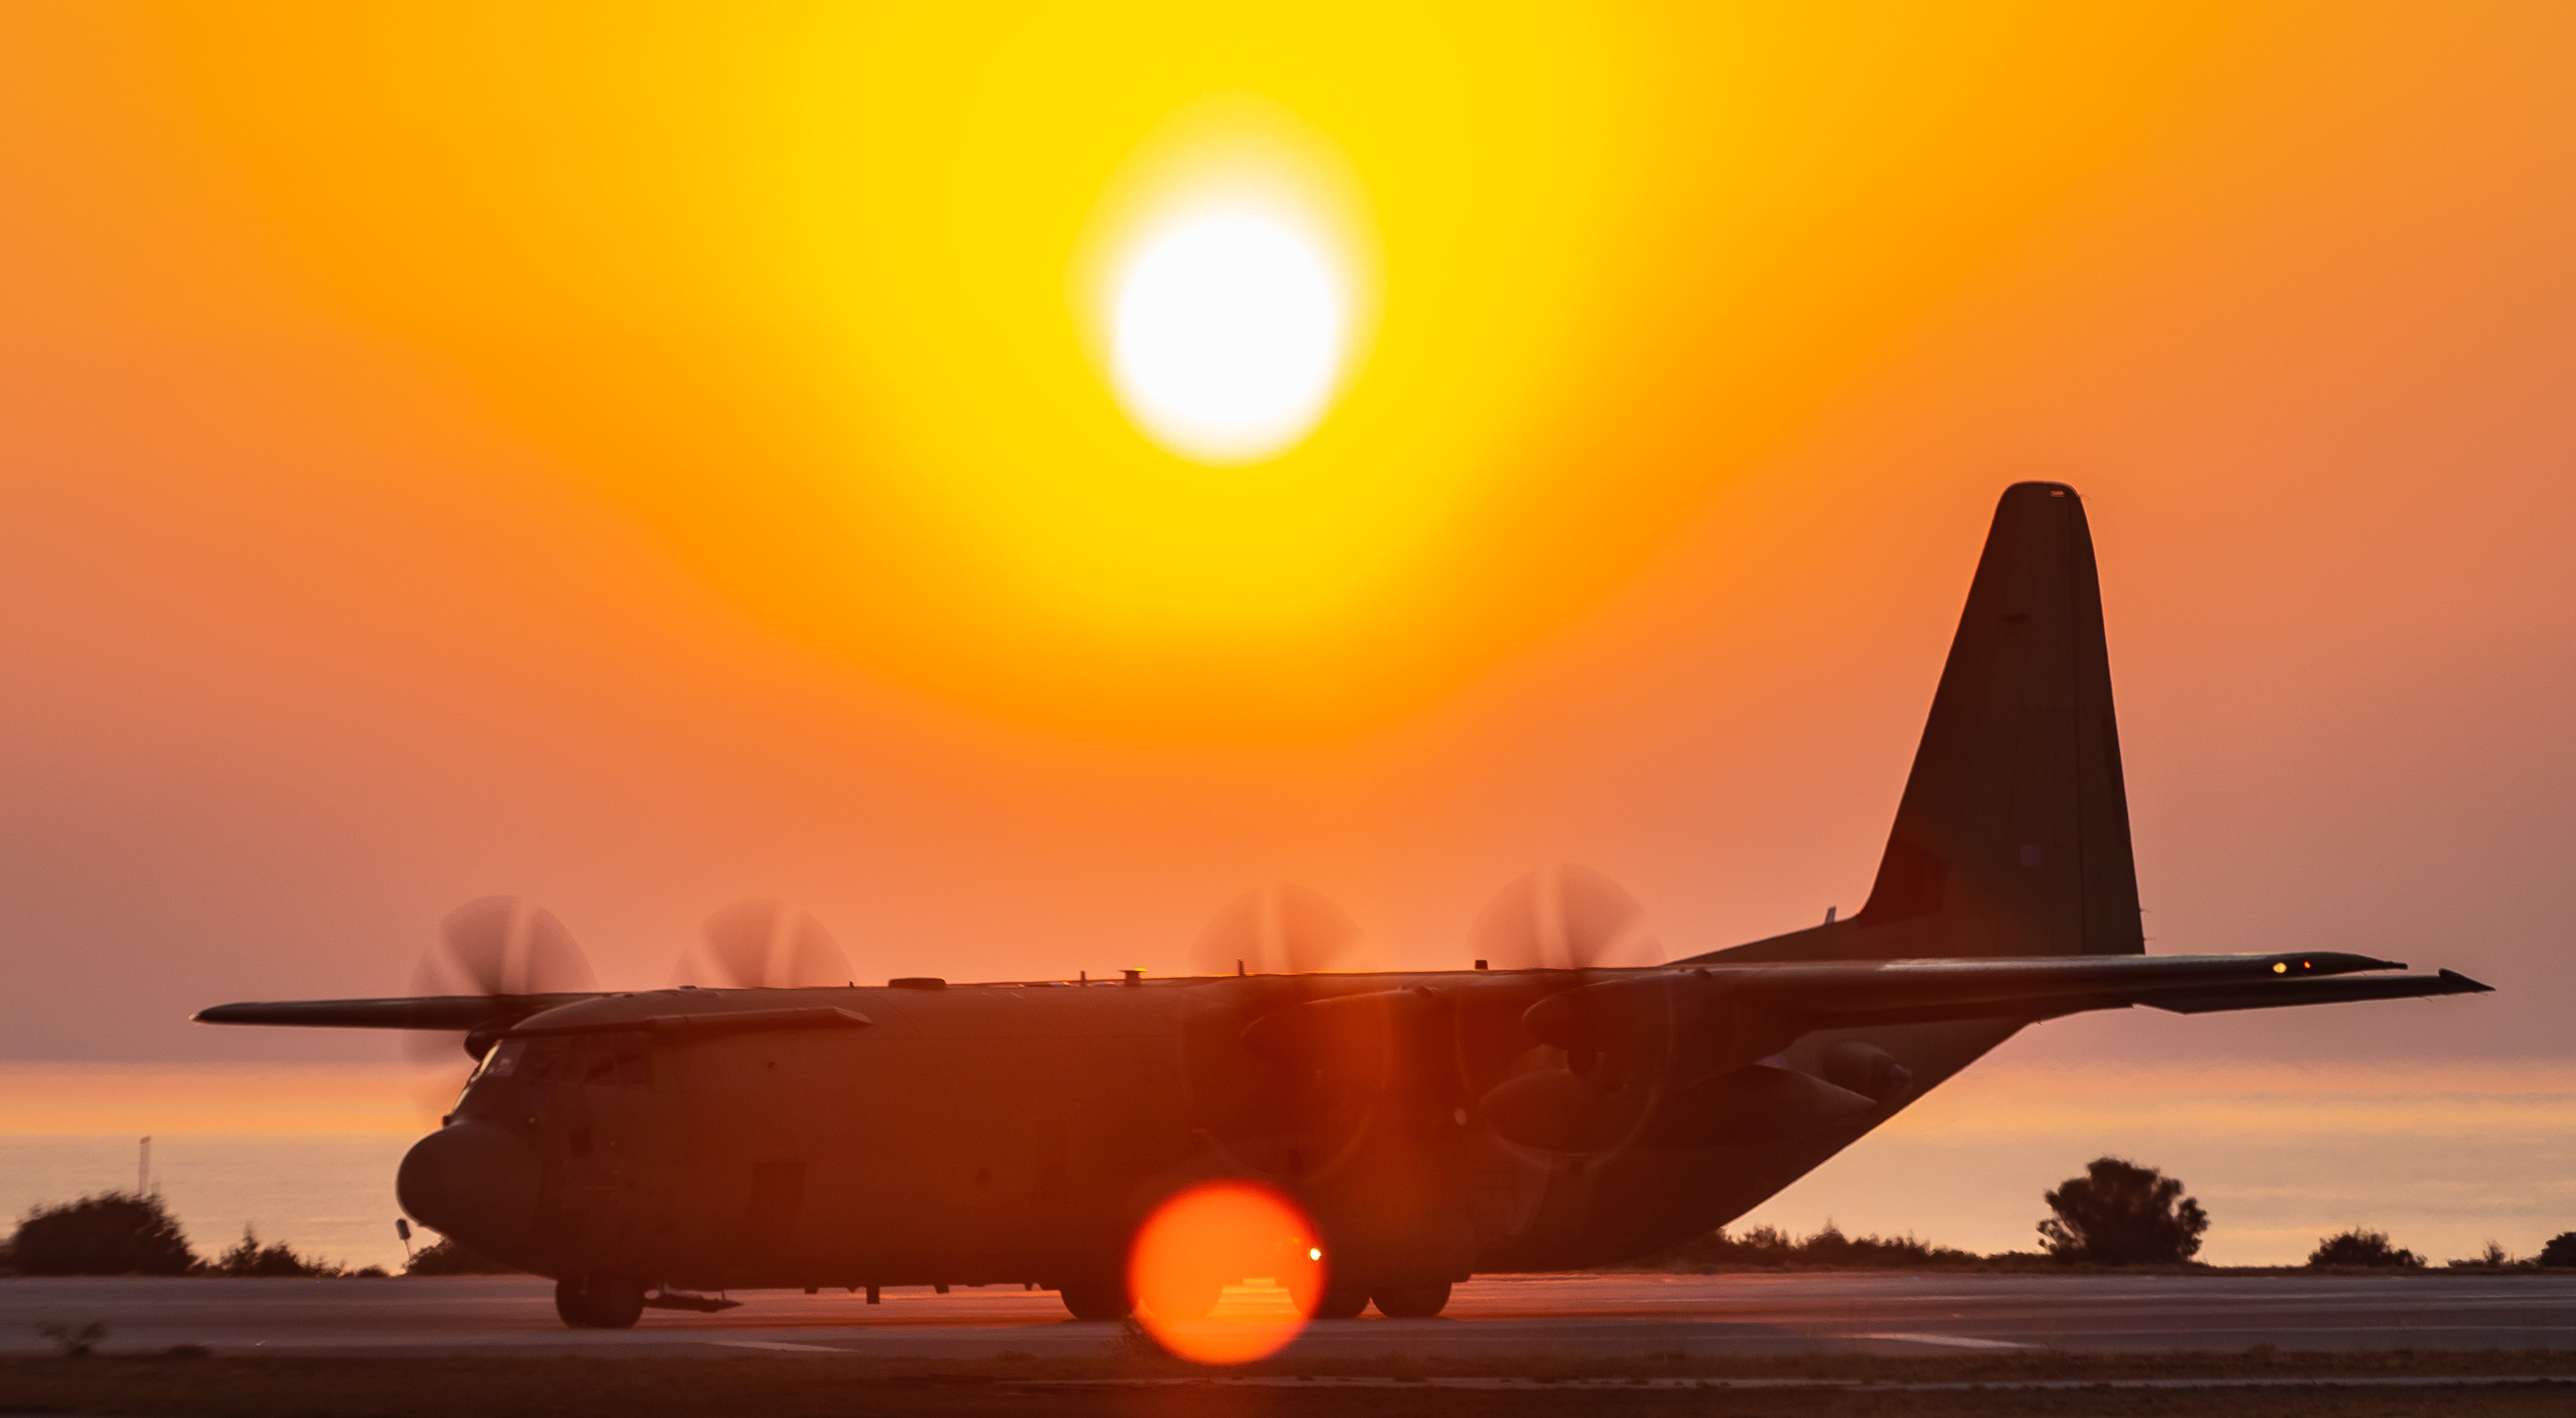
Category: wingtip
[2462,984]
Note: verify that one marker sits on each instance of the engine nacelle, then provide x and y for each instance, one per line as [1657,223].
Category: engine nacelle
[1754,1106]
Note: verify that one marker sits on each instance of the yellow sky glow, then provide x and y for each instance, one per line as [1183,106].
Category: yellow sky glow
[808,288]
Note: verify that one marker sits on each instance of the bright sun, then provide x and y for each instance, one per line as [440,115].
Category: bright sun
[1228,331]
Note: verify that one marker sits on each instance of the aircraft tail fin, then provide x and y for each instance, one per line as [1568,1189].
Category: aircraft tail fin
[2013,834]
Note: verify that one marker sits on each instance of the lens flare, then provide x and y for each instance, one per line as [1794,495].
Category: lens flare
[1192,1260]
[1228,334]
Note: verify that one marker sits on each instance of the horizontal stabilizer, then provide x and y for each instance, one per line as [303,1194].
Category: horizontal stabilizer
[1847,994]
[1850,992]
[2448,982]
[2264,994]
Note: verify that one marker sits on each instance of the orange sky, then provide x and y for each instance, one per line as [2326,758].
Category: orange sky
[649,467]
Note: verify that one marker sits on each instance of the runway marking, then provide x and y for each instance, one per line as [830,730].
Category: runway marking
[780,1345]
[1947,1341]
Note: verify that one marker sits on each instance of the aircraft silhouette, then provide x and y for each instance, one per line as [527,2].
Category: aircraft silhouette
[641,1146]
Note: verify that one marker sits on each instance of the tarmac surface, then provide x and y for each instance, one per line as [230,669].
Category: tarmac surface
[1499,1316]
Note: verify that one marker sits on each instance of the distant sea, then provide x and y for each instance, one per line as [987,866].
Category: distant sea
[2443,1157]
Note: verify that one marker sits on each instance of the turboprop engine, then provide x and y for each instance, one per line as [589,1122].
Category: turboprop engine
[1672,1060]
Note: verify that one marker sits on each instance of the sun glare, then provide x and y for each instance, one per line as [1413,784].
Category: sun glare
[1226,1272]
[1228,329]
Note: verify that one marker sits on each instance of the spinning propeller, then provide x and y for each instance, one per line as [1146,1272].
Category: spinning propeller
[498,946]
[1583,1099]
[1276,930]
[763,945]
[1563,918]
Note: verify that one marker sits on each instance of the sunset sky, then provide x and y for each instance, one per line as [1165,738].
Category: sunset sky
[642,459]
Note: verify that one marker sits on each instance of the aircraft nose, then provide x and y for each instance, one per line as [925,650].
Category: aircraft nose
[473,1182]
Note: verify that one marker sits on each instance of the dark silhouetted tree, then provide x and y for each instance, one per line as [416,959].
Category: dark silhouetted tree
[2360,1247]
[2119,1213]
[113,1233]
[2560,1252]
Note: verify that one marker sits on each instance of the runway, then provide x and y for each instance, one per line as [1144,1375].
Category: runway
[1503,1316]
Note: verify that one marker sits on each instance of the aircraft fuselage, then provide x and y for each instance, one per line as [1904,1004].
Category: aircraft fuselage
[1019,1133]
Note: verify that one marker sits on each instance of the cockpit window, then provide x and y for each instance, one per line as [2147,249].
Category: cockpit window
[501,1061]
[543,1061]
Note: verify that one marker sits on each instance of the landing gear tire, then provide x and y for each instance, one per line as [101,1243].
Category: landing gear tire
[1097,1299]
[599,1301]
[1191,1299]
[1339,1305]
[1412,1302]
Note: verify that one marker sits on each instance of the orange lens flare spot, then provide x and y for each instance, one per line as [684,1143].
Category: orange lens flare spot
[1226,1273]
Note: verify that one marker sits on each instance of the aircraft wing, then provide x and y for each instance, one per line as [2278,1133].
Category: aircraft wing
[449,1013]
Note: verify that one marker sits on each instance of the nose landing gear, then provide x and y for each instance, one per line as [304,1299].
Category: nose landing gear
[599,1301]
[1412,1302]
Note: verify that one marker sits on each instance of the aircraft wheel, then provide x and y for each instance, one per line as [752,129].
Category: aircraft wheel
[1412,1302]
[1189,1299]
[599,1302]
[1344,1304]
[572,1302]
[1096,1299]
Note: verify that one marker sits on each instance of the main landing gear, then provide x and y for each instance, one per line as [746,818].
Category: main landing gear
[1109,1300]
[599,1301]
[1097,1299]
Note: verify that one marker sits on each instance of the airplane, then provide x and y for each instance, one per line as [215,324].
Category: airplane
[645,1147]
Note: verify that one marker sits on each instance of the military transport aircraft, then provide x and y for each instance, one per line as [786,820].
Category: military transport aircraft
[1548,1112]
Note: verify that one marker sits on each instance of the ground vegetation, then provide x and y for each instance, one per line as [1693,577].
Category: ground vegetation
[2364,1248]
[133,1233]
[446,1256]
[248,1259]
[111,1233]
[1770,1248]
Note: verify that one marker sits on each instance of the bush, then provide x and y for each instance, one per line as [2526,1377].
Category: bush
[1769,1247]
[445,1257]
[113,1233]
[2492,1257]
[2119,1213]
[2560,1252]
[248,1259]
[2360,1247]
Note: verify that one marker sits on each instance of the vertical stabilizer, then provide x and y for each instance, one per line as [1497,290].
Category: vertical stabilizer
[2013,835]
